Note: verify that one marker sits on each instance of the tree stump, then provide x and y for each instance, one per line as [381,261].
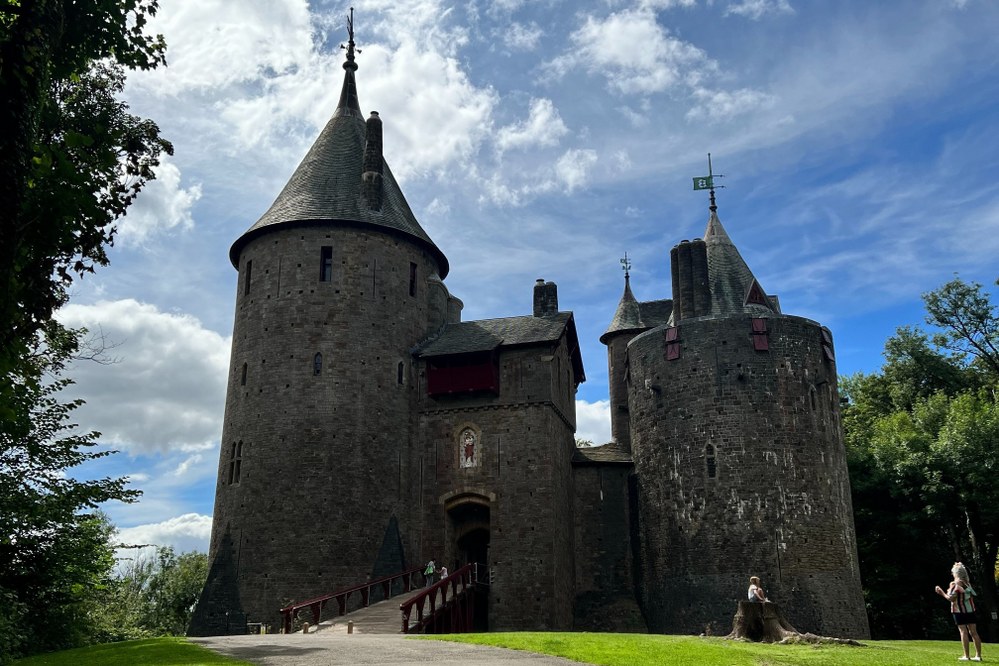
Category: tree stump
[766,623]
[761,623]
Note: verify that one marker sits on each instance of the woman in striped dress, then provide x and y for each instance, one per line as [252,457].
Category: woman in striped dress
[961,596]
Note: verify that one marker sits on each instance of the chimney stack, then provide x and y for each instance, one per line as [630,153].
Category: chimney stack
[371,176]
[545,298]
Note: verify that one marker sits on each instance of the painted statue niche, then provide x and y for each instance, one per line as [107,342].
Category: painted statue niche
[468,448]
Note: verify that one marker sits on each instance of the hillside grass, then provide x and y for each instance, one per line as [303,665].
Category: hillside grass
[146,652]
[658,650]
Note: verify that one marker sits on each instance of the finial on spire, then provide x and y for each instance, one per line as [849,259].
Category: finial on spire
[350,64]
[626,266]
[708,183]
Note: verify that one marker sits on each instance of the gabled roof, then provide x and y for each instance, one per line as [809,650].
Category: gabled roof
[485,335]
[488,334]
[326,187]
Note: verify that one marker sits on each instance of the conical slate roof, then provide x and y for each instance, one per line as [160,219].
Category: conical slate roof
[326,186]
[628,316]
[734,288]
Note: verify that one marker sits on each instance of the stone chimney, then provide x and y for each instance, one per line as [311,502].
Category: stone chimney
[371,176]
[545,298]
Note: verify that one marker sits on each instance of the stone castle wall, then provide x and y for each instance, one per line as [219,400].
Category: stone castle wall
[742,471]
[523,475]
[323,469]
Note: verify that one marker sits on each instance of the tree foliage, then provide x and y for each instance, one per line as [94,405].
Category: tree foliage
[152,596]
[53,545]
[71,158]
[923,444]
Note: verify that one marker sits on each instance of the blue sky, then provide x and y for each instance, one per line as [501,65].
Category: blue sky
[544,139]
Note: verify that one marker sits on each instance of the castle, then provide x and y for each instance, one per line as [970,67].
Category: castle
[368,428]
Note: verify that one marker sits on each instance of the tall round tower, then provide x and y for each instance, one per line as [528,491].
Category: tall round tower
[337,282]
[739,455]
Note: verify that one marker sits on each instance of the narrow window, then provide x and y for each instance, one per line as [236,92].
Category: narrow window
[709,461]
[235,461]
[412,279]
[317,364]
[239,459]
[246,277]
[326,263]
[399,370]
[242,378]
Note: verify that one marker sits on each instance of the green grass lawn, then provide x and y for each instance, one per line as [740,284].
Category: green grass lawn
[655,650]
[148,652]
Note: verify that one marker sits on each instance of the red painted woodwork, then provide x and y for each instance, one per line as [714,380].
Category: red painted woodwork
[761,340]
[462,375]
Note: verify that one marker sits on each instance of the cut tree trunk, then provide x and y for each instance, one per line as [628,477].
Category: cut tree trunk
[766,623]
[761,623]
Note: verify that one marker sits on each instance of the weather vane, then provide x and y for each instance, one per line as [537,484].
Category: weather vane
[626,265]
[708,183]
[350,38]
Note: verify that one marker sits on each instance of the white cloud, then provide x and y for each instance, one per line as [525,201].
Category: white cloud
[720,105]
[593,421]
[214,43]
[607,47]
[543,127]
[755,9]
[162,205]
[187,532]
[572,169]
[167,390]
[522,37]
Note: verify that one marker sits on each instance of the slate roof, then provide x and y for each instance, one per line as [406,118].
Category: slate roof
[488,334]
[633,316]
[656,313]
[606,453]
[729,277]
[326,186]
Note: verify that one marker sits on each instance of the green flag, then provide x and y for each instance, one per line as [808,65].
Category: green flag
[704,183]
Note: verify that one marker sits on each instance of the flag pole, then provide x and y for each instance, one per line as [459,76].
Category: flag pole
[711,176]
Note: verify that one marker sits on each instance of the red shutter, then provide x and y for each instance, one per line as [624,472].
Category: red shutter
[761,341]
[672,343]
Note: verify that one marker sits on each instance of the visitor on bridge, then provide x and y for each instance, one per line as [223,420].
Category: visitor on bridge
[428,573]
[443,573]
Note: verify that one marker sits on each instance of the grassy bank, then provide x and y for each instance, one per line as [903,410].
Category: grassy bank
[655,650]
[148,652]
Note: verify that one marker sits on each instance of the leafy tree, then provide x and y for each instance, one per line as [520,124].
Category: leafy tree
[71,158]
[54,547]
[968,322]
[152,596]
[921,440]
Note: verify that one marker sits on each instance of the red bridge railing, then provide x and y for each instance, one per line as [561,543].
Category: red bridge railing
[447,606]
[317,604]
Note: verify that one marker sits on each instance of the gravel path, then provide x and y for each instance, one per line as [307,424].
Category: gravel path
[327,648]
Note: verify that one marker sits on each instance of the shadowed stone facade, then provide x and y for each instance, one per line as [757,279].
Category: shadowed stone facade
[368,429]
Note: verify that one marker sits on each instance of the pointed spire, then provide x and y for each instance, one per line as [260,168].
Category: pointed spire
[734,288]
[628,316]
[348,104]
[329,186]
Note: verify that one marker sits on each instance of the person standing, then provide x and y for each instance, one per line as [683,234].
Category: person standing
[443,573]
[961,596]
[428,573]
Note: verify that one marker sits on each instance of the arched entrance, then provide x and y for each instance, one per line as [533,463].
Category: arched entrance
[468,537]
